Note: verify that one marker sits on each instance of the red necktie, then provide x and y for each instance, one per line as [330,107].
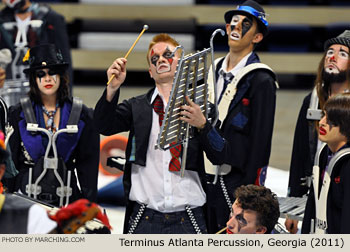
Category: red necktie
[174,164]
[159,108]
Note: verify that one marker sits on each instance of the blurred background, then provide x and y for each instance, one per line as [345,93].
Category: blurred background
[101,30]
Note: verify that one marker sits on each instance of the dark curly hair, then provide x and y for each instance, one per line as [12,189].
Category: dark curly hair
[62,92]
[337,109]
[261,200]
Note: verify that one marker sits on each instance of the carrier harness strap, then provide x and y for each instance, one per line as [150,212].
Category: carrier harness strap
[76,111]
[73,117]
[28,110]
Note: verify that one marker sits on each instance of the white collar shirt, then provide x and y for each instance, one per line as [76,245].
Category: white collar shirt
[156,186]
[234,71]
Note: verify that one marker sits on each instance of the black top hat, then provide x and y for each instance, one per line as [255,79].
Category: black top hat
[44,56]
[342,39]
[252,9]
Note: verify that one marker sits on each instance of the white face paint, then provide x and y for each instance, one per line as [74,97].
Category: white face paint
[48,81]
[41,74]
[337,58]
[235,21]
[54,77]
[163,67]
[331,70]
[162,63]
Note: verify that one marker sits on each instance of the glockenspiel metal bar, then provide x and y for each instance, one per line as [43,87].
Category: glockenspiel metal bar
[190,70]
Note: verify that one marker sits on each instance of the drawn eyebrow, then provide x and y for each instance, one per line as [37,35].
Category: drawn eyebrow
[342,50]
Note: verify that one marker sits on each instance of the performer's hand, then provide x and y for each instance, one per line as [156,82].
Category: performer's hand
[2,77]
[118,69]
[192,114]
[291,225]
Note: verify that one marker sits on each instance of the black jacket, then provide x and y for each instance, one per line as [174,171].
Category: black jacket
[242,141]
[338,205]
[135,115]
[304,150]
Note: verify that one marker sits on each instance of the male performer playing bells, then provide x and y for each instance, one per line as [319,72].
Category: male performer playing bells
[159,200]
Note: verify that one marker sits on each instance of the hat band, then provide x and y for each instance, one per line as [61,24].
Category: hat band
[255,13]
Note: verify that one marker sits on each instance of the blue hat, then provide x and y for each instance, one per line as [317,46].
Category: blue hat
[252,9]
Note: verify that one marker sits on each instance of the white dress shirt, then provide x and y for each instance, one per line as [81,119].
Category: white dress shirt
[159,188]
[234,71]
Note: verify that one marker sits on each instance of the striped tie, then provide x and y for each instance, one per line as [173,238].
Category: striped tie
[174,164]
[228,77]
[159,108]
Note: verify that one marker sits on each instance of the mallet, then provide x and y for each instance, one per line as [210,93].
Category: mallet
[222,230]
[145,27]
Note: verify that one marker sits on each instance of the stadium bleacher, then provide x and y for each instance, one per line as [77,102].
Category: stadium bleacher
[101,30]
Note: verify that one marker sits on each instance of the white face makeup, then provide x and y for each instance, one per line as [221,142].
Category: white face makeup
[162,62]
[163,68]
[48,81]
[243,25]
[235,35]
[42,73]
[336,60]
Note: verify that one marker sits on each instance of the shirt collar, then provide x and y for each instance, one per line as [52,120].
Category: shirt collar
[238,67]
[155,93]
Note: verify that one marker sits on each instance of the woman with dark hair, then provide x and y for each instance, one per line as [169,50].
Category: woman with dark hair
[328,205]
[77,153]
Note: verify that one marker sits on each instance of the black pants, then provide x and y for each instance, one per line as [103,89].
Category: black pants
[218,208]
[154,222]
